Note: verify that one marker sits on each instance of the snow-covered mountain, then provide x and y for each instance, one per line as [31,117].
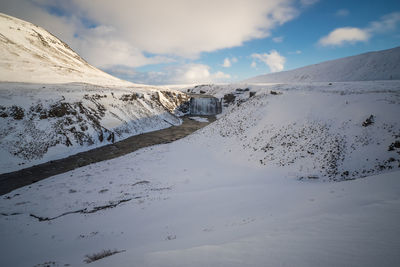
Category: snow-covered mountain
[54,104]
[29,53]
[372,66]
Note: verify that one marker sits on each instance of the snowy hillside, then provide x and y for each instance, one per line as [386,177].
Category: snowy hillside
[44,122]
[54,104]
[30,54]
[320,131]
[380,65]
[255,188]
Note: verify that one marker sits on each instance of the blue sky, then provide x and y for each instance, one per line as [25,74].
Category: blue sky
[191,41]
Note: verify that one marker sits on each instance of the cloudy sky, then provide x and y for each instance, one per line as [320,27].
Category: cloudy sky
[201,41]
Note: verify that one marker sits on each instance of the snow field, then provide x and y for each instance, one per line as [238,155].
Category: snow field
[207,200]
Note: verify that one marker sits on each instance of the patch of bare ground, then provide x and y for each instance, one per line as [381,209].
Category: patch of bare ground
[100,255]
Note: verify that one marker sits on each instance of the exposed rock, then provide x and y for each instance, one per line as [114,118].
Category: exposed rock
[17,112]
[229,98]
[395,144]
[368,121]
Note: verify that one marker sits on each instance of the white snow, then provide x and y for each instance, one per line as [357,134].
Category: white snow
[33,55]
[315,127]
[372,66]
[206,200]
[41,136]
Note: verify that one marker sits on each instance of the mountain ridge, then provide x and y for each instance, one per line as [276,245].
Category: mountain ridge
[375,65]
[31,54]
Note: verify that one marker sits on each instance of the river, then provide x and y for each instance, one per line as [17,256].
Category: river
[13,180]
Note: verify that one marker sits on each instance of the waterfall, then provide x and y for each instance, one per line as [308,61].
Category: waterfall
[205,105]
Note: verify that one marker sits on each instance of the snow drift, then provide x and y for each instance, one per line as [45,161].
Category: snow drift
[372,66]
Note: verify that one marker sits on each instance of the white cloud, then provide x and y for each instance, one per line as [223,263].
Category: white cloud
[352,35]
[297,52]
[273,60]
[344,35]
[253,64]
[167,29]
[278,39]
[101,46]
[342,12]
[187,28]
[126,73]
[104,51]
[219,75]
[227,63]
[175,74]
[194,73]
[387,23]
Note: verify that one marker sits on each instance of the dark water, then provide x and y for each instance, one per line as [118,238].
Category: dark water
[13,180]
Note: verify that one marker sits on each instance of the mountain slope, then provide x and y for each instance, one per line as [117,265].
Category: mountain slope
[380,65]
[54,104]
[341,131]
[39,123]
[31,54]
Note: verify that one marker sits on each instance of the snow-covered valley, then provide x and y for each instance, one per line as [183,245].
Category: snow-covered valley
[232,194]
